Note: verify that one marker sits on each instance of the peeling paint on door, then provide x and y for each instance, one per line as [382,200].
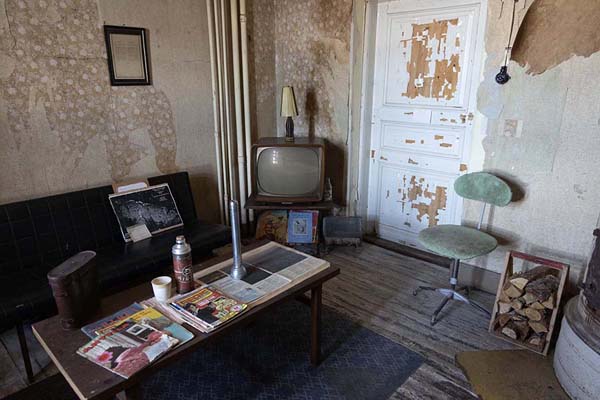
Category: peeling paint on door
[422,99]
[430,48]
[425,201]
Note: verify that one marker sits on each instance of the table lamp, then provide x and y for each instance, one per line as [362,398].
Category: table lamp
[288,110]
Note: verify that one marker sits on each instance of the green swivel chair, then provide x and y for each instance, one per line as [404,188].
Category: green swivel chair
[461,242]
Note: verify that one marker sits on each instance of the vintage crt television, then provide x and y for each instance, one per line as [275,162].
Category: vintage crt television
[288,172]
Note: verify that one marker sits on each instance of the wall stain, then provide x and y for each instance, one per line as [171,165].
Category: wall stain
[60,62]
[442,82]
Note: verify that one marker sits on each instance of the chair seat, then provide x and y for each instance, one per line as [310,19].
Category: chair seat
[455,241]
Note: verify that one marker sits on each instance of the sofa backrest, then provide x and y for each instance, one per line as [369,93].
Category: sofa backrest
[46,231]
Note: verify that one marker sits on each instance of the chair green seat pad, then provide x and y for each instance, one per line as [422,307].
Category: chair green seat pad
[455,241]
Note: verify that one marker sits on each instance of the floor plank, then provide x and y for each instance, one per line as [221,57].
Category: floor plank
[375,289]
[10,355]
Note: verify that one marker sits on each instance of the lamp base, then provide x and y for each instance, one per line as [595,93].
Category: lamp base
[289,129]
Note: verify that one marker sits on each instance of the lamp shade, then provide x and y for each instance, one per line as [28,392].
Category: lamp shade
[288,102]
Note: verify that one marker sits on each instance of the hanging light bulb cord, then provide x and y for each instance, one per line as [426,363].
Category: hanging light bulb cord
[512,25]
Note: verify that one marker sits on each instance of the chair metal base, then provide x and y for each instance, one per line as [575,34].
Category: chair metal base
[451,294]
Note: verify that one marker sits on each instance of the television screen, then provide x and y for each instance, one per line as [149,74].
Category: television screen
[288,171]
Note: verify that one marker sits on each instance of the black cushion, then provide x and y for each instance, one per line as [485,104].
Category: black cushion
[37,235]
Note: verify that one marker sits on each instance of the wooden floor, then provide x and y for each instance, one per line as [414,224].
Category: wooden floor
[374,288]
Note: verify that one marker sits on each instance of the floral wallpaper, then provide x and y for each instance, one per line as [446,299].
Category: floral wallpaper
[59,58]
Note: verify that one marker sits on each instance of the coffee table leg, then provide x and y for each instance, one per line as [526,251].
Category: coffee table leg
[132,393]
[315,333]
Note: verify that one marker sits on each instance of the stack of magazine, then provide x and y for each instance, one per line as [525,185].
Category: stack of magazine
[206,308]
[131,339]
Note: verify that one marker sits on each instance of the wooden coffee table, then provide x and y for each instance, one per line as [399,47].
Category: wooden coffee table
[91,381]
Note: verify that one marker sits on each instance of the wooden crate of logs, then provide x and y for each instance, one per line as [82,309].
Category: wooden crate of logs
[527,302]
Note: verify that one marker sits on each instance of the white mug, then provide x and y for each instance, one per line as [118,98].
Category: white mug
[162,288]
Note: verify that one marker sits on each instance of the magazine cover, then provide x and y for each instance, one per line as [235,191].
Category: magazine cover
[272,225]
[209,306]
[300,227]
[127,348]
[91,330]
[154,319]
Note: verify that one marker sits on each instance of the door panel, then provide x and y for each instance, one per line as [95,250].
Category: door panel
[423,97]
[420,139]
[413,200]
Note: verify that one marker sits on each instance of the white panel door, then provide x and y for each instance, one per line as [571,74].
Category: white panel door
[423,100]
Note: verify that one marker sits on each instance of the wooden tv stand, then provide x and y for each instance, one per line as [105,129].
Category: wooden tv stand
[253,204]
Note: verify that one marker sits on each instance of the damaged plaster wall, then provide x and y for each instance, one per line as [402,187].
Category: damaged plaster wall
[307,43]
[63,127]
[543,136]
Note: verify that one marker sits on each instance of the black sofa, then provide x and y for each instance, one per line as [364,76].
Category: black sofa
[37,235]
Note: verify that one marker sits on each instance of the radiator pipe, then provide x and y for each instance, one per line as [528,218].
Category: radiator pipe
[227,94]
[246,95]
[215,102]
[237,91]
[221,116]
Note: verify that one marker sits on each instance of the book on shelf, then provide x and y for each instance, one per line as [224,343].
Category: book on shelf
[302,227]
[207,307]
[127,347]
[91,330]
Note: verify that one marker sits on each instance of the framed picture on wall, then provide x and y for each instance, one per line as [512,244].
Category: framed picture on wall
[127,50]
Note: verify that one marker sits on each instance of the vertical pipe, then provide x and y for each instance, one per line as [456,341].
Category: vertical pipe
[227,94]
[215,95]
[237,91]
[246,94]
[238,271]
[224,141]
[481,216]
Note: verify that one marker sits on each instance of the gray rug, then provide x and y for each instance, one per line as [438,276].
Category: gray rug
[270,360]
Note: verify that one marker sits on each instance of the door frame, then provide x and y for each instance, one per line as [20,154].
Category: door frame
[364,35]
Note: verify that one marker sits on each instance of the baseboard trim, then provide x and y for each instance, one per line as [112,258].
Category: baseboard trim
[470,275]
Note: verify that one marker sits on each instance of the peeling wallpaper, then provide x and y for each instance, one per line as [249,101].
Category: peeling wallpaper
[63,126]
[553,31]
[308,43]
[549,156]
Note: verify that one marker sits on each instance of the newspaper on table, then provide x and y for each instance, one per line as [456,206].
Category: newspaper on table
[269,269]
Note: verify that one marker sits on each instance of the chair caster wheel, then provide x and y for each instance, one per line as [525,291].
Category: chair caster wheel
[415,292]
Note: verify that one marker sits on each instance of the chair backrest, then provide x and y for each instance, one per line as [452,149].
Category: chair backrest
[485,187]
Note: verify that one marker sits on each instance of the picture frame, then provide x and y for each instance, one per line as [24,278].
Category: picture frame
[154,207]
[128,56]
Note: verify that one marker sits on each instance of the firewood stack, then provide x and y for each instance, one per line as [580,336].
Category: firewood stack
[525,306]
